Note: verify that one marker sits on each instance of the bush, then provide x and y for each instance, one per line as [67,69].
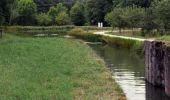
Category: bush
[80,33]
[56,10]
[62,19]
[43,19]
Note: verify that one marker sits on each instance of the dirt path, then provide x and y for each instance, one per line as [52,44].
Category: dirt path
[123,37]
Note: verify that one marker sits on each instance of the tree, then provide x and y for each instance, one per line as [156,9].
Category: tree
[157,17]
[62,19]
[151,20]
[134,16]
[43,19]
[96,10]
[116,19]
[131,3]
[13,12]
[56,10]
[5,7]
[27,11]
[163,13]
[77,14]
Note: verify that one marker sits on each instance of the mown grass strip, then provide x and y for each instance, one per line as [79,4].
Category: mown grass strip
[53,68]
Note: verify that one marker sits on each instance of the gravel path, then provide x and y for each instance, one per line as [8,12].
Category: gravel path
[123,37]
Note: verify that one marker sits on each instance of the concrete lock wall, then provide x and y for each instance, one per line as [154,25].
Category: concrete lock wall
[157,64]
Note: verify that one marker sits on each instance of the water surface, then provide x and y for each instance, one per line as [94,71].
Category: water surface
[128,70]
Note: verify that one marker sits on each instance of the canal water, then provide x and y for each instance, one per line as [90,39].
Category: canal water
[128,70]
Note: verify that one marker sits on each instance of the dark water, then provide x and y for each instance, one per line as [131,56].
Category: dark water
[128,71]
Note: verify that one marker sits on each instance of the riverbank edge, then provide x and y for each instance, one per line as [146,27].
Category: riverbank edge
[156,54]
[120,41]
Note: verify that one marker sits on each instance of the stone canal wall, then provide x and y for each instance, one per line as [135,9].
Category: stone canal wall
[167,69]
[157,64]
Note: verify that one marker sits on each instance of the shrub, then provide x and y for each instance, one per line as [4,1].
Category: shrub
[43,19]
[62,19]
[56,10]
[80,33]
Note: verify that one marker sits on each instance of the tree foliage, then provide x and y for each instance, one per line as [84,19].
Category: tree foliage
[116,18]
[96,10]
[56,10]
[5,9]
[43,19]
[134,16]
[77,14]
[130,3]
[62,19]
[150,15]
[27,11]
[14,14]
[163,13]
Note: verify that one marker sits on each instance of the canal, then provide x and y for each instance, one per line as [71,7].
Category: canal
[127,69]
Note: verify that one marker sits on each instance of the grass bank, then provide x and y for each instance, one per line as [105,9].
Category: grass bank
[126,42]
[129,33]
[164,38]
[53,69]
[48,30]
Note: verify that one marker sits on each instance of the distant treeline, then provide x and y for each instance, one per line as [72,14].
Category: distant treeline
[150,15]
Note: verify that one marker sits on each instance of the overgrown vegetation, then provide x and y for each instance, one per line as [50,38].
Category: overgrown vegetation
[48,30]
[130,44]
[151,16]
[43,19]
[82,34]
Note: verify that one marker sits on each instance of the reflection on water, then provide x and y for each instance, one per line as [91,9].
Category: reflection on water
[153,93]
[128,71]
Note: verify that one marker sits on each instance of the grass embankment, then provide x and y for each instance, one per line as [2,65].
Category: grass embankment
[48,30]
[164,38]
[137,33]
[53,69]
[123,42]
[112,40]
[129,33]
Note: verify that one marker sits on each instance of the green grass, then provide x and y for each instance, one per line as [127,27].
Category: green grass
[53,69]
[121,42]
[164,38]
[136,33]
